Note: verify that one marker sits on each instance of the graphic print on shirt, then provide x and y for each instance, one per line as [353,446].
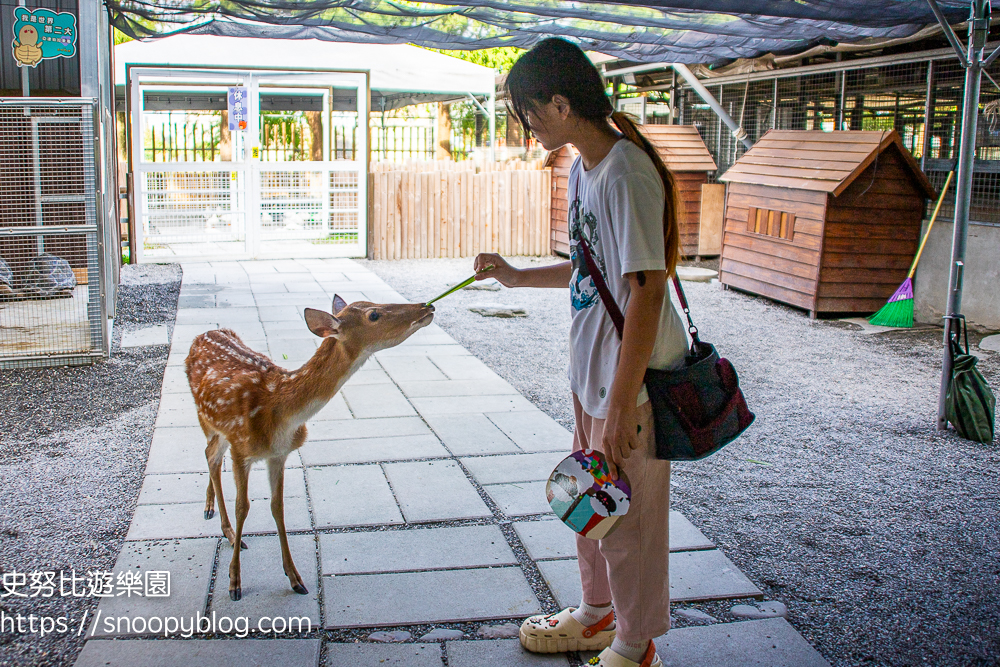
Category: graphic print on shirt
[583,224]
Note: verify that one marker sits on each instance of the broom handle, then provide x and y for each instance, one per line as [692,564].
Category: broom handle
[937,207]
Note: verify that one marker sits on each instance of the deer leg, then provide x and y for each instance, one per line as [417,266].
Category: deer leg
[276,475]
[215,453]
[210,495]
[241,472]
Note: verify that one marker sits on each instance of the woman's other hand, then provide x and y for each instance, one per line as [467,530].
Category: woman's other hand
[620,435]
[491,265]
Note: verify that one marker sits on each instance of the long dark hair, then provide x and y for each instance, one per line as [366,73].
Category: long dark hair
[558,67]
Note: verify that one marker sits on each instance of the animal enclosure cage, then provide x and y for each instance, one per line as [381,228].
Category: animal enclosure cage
[919,95]
[51,268]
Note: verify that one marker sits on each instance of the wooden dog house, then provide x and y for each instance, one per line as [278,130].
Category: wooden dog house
[685,154]
[825,221]
[560,161]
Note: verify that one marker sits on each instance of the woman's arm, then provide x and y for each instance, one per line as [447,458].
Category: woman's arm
[642,320]
[554,275]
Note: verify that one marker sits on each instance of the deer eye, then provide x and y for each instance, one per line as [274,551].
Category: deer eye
[373,316]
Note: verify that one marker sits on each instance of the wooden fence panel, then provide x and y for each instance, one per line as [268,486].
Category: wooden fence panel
[422,213]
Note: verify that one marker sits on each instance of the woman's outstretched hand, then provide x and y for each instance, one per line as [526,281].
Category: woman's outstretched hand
[491,265]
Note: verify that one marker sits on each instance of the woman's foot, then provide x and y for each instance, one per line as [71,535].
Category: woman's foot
[610,658]
[560,632]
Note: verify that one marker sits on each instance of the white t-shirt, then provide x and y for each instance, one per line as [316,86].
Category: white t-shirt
[618,207]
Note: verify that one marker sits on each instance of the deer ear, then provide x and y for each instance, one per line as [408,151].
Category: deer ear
[338,304]
[322,324]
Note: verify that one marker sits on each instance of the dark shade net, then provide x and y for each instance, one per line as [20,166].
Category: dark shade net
[689,31]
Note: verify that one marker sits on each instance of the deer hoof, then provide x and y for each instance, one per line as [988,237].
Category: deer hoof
[300,589]
[209,514]
[235,594]
[243,545]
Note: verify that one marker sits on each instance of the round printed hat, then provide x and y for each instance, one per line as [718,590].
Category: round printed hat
[582,494]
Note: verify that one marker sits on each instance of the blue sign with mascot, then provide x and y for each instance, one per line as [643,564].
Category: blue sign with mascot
[42,33]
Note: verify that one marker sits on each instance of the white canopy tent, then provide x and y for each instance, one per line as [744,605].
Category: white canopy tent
[400,74]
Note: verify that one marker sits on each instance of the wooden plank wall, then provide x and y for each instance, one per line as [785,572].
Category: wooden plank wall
[872,232]
[689,191]
[422,214]
[560,162]
[784,270]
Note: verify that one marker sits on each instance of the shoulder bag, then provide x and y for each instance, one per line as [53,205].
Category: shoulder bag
[697,409]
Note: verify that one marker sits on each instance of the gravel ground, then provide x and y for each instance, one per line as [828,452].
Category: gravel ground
[73,448]
[880,533]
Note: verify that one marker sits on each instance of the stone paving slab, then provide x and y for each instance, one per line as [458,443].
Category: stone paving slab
[435,352]
[155,335]
[550,538]
[368,375]
[351,496]
[178,449]
[336,408]
[708,574]
[467,434]
[383,655]
[182,417]
[694,576]
[289,314]
[201,653]
[175,378]
[514,468]
[426,388]
[371,450]
[497,652]
[435,491]
[768,643]
[534,431]
[410,598]
[462,367]
[157,522]
[413,550]
[519,498]
[265,588]
[411,369]
[379,427]
[189,487]
[376,400]
[450,405]
[179,400]
[189,563]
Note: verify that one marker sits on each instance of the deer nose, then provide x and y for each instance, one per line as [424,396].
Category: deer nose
[429,307]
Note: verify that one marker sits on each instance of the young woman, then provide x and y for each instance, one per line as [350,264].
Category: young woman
[622,204]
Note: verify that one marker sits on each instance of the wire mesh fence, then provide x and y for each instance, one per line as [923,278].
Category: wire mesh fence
[50,268]
[919,97]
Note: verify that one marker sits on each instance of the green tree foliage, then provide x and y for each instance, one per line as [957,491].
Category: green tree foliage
[500,60]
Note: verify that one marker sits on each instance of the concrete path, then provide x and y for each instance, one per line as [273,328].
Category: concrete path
[417,505]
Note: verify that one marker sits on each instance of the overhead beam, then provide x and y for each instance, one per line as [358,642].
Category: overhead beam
[734,127]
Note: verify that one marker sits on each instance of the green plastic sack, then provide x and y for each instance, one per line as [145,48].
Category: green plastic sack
[970,405]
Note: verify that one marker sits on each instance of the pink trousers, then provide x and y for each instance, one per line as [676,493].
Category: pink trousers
[630,566]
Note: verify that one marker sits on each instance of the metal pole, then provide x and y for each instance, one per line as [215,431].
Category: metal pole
[702,91]
[25,86]
[978,29]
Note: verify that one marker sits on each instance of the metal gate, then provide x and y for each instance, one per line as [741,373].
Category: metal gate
[291,184]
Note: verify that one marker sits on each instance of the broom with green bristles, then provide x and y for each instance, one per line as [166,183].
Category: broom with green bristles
[898,312]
